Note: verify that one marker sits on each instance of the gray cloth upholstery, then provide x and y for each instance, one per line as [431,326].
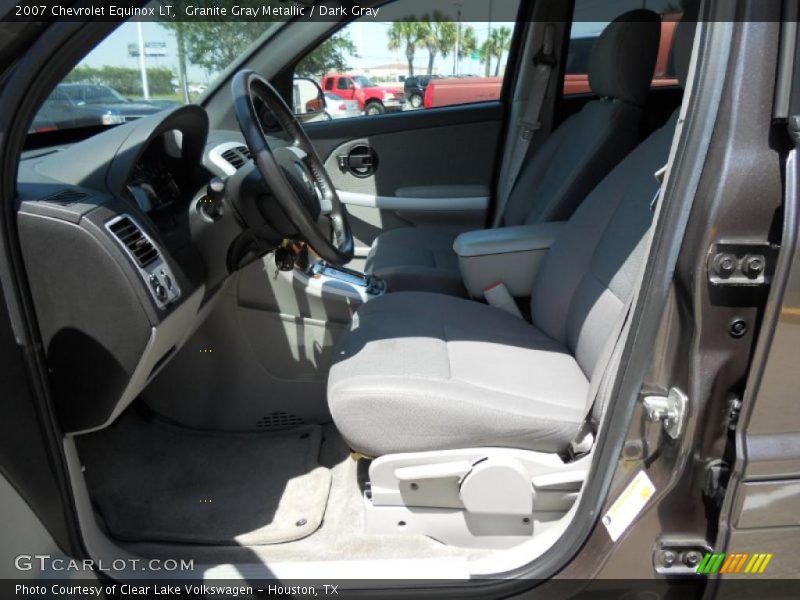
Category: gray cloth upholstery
[573,160]
[420,371]
[417,258]
[552,182]
[623,57]
[589,273]
[423,371]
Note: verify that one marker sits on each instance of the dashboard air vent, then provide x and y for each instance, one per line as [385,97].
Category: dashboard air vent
[237,156]
[134,240]
[66,197]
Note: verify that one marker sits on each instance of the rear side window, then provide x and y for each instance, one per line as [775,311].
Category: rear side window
[329,84]
[344,84]
[589,20]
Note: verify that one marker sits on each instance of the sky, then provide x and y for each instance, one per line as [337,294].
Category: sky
[114,50]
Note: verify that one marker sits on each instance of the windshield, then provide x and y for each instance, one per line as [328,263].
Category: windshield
[363,82]
[143,67]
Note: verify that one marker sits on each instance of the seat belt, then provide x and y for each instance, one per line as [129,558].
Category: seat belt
[530,122]
[584,439]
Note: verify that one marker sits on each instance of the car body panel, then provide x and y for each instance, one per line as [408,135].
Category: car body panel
[340,108]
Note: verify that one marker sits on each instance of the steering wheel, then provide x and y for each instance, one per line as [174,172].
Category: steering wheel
[294,172]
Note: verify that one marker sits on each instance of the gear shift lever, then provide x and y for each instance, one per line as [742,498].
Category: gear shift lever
[373,285]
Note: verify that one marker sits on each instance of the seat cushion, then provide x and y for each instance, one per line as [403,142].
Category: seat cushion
[421,371]
[417,258]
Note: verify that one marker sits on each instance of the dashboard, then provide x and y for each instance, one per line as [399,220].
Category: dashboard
[122,263]
[153,184]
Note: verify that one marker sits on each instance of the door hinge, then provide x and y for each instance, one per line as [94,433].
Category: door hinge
[679,556]
[741,264]
[739,274]
[670,410]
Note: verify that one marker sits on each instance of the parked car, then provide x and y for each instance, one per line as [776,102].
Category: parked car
[162,104]
[42,125]
[372,98]
[338,108]
[91,105]
[414,88]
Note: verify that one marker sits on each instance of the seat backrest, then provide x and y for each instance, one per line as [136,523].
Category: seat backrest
[585,147]
[593,266]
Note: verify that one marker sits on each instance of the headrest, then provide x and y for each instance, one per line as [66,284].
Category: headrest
[624,57]
[682,43]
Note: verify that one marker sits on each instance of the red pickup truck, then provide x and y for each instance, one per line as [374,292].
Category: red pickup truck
[372,98]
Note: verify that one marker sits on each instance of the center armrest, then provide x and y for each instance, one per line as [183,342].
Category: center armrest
[507,254]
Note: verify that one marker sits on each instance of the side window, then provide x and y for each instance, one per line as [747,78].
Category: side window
[412,57]
[589,20]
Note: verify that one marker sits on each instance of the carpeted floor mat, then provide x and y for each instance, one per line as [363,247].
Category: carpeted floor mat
[340,537]
[153,481]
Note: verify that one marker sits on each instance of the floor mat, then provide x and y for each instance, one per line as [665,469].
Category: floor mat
[152,481]
[342,535]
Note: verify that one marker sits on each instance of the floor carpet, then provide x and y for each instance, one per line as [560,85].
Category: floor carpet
[152,481]
[340,537]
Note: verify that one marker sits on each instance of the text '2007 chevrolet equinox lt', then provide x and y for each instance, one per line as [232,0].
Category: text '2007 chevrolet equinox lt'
[535,337]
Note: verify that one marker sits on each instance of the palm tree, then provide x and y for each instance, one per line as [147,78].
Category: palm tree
[438,36]
[430,40]
[447,36]
[406,33]
[501,42]
[468,42]
[486,53]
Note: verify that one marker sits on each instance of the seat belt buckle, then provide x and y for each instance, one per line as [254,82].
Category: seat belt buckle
[498,296]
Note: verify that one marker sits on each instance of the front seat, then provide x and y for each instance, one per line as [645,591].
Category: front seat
[422,371]
[571,162]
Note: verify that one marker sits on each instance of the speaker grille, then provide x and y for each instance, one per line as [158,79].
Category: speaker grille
[279,420]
